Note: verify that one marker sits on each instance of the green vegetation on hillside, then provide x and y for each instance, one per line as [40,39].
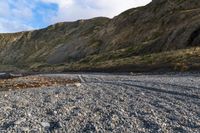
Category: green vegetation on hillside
[178,60]
[162,35]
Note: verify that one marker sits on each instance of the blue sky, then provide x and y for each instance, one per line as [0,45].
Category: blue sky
[20,15]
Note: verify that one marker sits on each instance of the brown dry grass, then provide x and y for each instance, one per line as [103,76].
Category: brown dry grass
[34,82]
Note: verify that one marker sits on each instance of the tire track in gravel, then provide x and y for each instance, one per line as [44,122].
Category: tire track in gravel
[171,89]
[164,91]
[173,93]
[159,90]
[109,106]
[174,103]
[138,113]
[164,84]
[177,91]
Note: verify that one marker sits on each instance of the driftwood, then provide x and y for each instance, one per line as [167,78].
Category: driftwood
[9,75]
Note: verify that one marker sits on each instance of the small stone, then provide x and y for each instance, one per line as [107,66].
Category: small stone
[55,112]
[20,121]
[77,84]
[131,73]
[29,114]
[45,124]
[56,96]
[67,85]
[25,129]
[142,93]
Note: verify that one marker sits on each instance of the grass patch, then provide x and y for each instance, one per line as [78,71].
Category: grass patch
[179,60]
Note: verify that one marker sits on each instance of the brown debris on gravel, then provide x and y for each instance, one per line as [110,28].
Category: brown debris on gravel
[34,82]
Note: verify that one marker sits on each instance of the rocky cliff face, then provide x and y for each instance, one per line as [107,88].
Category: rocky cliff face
[161,26]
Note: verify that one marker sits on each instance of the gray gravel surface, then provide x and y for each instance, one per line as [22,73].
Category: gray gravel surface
[106,103]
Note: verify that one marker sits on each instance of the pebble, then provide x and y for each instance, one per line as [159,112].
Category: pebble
[20,121]
[55,112]
[25,129]
[77,84]
[29,114]
[45,124]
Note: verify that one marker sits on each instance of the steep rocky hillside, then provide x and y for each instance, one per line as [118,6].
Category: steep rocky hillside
[139,39]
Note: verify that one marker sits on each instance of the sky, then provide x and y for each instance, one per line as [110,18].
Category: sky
[22,15]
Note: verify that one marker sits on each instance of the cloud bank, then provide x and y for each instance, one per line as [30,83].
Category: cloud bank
[70,10]
[20,15]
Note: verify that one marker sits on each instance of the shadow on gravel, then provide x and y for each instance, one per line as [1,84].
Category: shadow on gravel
[54,125]
[165,84]
[89,128]
[164,91]
[8,125]
[152,89]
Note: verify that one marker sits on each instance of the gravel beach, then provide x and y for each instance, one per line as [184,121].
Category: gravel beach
[105,103]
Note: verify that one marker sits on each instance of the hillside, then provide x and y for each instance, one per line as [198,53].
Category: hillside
[164,34]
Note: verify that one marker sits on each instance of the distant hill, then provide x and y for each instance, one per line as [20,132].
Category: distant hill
[163,35]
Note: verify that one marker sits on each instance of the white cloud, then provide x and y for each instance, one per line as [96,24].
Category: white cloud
[4,8]
[12,26]
[60,3]
[22,10]
[19,15]
[14,16]
[71,10]
[23,13]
